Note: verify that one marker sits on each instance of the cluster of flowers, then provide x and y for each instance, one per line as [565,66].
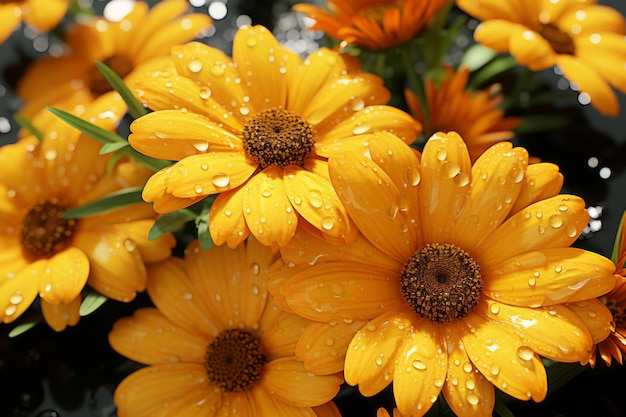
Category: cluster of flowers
[337,237]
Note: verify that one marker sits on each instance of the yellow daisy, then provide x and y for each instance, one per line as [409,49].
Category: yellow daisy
[472,114]
[373,24]
[41,15]
[459,293]
[585,40]
[137,43]
[258,130]
[43,253]
[216,344]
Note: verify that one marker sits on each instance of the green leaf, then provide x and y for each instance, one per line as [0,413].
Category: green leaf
[135,108]
[91,303]
[477,56]
[202,224]
[495,67]
[147,161]
[112,147]
[618,237]
[169,222]
[91,130]
[26,124]
[23,328]
[125,197]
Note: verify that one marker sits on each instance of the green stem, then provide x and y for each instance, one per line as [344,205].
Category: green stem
[414,79]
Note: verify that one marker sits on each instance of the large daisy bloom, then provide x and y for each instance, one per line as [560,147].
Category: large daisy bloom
[216,344]
[47,255]
[258,130]
[41,15]
[138,42]
[461,289]
[585,40]
[473,114]
[373,24]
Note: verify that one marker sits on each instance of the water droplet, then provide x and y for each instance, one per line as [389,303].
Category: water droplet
[336,290]
[328,223]
[472,398]
[442,154]
[357,104]
[198,188]
[50,154]
[516,175]
[16,299]
[130,245]
[244,110]
[217,71]
[315,198]
[470,383]
[10,310]
[419,365]
[204,167]
[412,176]
[266,193]
[255,289]
[495,369]
[462,179]
[256,269]
[467,367]
[205,93]
[392,211]
[361,128]
[532,281]
[218,297]
[451,169]
[571,231]
[379,361]
[194,66]
[525,353]
[221,179]
[555,221]
[494,308]
[201,146]
[251,42]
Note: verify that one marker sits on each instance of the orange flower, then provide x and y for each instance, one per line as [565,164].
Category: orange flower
[216,343]
[459,292]
[47,255]
[42,15]
[139,42]
[472,114]
[373,24]
[585,40]
[258,130]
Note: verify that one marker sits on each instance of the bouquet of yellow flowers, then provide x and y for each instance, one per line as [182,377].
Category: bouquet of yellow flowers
[323,209]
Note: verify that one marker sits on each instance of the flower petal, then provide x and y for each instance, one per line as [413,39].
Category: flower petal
[596,316]
[65,276]
[530,49]
[543,180]
[59,316]
[267,210]
[598,51]
[371,355]
[496,33]
[227,223]
[466,390]
[267,404]
[149,337]
[280,332]
[154,250]
[288,379]
[18,292]
[421,367]
[549,277]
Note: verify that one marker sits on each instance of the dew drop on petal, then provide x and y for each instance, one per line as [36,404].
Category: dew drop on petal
[555,221]
[472,399]
[467,367]
[194,66]
[221,179]
[205,93]
[10,310]
[525,353]
[328,223]
[392,211]
[361,128]
[16,299]
[336,290]
[451,169]
[198,188]
[315,199]
[419,365]
[255,268]
[571,231]
[494,308]
[201,146]
[130,245]
[442,154]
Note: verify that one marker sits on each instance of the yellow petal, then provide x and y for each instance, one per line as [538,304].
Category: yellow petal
[19,292]
[496,34]
[323,346]
[242,403]
[327,410]
[154,250]
[487,10]
[596,316]
[148,390]
[227,223]
[280,332]
[551,223]
[604,59]
[548,277]
[59,316]
[372,353]
[10,19]
[502,358]
[466,390]
[445,185]
[268,404]
[199,401]
[531,49]
[287,379]
[45,15]
[597,18]
[149,337]
[420,369]
[65,276]
[543,180]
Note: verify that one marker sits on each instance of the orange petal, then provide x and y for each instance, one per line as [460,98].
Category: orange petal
[11,17]
[154,250]
[19,292]
[596,19]
[59,316]
[45,15]
[496,34]
[227,223]
[466,390]
[548,277]
[290,381]
[65,276]
[421,367]
[280,332]
[598,51]
[327,410]
[530,49]
[149,337]
[596,316]
[268,404]
[371,355]
[543,180]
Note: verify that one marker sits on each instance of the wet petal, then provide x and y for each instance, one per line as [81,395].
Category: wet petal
[149,337]
[466,390]
[199,401]
[154,250]
[543,180]
[444,188]
[548,277]
[267,210]
[267,404]
[64,276]
[280,332]
[287,379]
[227,223]
[420,369]
[598,51]
[372,353]
[596,316]
[59,316]
[530,49]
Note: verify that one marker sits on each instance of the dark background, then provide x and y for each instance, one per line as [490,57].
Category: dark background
[74,373]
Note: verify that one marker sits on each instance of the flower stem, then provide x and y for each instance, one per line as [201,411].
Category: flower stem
[415,81]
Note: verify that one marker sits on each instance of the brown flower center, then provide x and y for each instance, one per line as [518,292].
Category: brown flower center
[441,283]
[98,85]
[234,360]
[278,137]
[44,231]
[560,41]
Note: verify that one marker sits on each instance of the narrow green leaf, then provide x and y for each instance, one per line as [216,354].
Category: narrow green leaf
[26,124]
[618,237]
[135,108]
[91,130]
[495,67]
[147,161]
[23,328]
[169,222]
[91,303]
[112,147]
[202,224]
[125,197]
[477,56]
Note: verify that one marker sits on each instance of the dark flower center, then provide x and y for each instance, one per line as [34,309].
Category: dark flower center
[98,85]
[278,137]
[44,231]
[560,41]
[441,283]
[234,360]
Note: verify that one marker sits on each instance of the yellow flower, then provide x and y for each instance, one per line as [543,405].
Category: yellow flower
[459,292]
[373,24]
[216,343]
[139,42]
[258,130]
[43,253]
[42,15]
[585,40]
[472,114]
